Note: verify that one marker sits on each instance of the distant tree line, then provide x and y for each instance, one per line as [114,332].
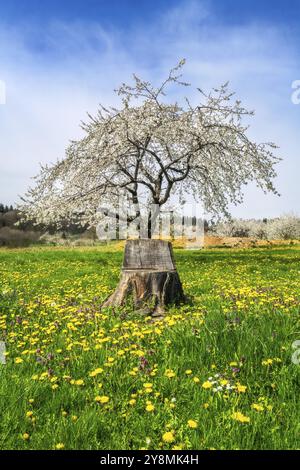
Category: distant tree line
[285,227]
[12,235]
[15,232]
[5,208]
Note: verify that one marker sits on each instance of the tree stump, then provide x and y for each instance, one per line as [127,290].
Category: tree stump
[149,275]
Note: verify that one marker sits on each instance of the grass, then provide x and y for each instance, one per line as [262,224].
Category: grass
[214,374]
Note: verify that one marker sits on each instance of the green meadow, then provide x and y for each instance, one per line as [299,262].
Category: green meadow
[220,372]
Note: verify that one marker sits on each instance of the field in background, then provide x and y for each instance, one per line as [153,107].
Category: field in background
[245,242]
[217,373]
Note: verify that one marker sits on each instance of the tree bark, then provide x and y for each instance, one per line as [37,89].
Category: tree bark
[149,276]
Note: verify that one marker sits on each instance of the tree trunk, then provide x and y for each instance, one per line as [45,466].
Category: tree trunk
[149,275]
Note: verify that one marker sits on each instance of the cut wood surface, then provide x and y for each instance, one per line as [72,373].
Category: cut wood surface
[148,254]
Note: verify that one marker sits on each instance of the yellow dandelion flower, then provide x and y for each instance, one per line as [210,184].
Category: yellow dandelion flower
[147,385]
[238,416]
[168,437]
[132,372]
[207,384]
[267,362]
[241,388]
[59,446]
[170,373]
[223,382]
[257,407]
[102,399]
[150,407]
[79,382]
[96,372]
[192,424]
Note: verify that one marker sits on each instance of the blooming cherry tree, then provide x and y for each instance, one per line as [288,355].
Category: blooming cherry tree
[148,150]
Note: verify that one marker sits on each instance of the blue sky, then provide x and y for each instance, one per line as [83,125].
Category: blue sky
[122,13]
[59,59]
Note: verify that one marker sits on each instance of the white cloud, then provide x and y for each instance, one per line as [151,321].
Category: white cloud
[54,76]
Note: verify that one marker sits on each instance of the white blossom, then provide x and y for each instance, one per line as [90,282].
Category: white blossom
[148,150]
[286,227]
